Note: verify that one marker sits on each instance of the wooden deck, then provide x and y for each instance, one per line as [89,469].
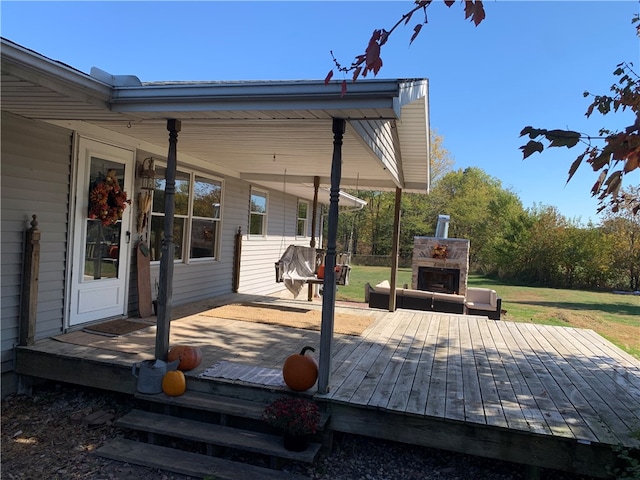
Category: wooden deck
[545,396]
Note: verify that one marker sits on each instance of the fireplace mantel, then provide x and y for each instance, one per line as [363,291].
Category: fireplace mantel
[457,258]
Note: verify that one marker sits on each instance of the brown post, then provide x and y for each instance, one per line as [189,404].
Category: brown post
[237,252]
[29,305]
[314,219]
[165,286]
[395,247]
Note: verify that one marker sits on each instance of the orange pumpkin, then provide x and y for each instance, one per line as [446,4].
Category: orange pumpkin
[300,371]
[173,383]
[190,357]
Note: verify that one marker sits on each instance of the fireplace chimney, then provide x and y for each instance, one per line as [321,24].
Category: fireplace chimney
[442,227]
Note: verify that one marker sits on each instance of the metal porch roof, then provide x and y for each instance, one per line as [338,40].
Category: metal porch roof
[276,134]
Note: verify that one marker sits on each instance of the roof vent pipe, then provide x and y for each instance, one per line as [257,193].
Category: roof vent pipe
[442,227]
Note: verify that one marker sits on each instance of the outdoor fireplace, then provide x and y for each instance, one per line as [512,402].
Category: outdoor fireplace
[440,265]
[441,280]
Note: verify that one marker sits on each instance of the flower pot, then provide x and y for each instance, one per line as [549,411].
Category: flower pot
[296,443]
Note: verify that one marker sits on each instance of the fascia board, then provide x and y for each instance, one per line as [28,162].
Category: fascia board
[40,70]
[282,95]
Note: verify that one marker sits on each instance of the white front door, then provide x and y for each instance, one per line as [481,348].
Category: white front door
[102,233]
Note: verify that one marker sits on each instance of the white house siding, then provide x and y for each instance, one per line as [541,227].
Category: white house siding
[204,279]
[36,172]
[259,255]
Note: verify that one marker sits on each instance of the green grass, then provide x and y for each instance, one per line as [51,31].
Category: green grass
[615,317]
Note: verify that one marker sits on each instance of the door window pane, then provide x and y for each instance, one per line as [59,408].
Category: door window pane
[103,227]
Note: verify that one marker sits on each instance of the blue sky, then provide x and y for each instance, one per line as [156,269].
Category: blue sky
[528,63]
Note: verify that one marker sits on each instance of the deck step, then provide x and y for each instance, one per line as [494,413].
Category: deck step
[212,434]
[235,407]
[187,463]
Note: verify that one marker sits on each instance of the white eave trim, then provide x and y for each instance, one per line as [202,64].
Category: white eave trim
[32,66]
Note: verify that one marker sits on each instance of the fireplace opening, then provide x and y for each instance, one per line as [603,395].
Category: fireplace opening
[440,280]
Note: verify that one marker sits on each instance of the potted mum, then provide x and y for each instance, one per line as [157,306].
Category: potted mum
[297,419]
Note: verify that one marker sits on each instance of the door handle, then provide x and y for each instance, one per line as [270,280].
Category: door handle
[128,237]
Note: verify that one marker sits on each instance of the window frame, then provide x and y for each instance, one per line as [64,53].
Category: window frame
[188,219]
[262,193]
[305,229]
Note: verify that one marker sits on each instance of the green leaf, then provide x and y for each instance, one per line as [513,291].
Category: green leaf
[531,147]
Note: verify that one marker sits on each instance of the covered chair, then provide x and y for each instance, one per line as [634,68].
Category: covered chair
[296,267]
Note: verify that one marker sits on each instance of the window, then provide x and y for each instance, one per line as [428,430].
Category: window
[258,214]
[301,227]
[205,218]
[196,227]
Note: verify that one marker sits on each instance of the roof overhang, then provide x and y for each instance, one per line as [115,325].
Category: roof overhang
[267,133]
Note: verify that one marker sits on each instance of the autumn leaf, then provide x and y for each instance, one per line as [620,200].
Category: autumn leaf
[344,88]
[574,166]
[474,10]
[562,138]
[356,73]
[531,147]
[532,132]
[329,76]
[596,186]
[448,3]
[633,162]
[613,183]
[416,31]
[373,60]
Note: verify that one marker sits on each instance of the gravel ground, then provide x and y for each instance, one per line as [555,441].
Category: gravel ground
[54,433]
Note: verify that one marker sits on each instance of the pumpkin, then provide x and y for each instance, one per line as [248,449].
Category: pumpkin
[173,383]
[300,371]
[190,357]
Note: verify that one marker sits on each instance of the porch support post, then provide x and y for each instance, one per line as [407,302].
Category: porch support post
[314,219]
[165,287]
[329,287]
[395,250]
[29,304]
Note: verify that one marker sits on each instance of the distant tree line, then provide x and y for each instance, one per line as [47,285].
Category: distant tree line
[536,246]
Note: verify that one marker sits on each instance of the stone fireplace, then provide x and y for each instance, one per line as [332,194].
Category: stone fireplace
[440,265]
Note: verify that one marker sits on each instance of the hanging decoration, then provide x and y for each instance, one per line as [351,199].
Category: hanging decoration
[107,200]
[440,251]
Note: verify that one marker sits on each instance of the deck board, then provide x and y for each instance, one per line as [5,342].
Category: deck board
[399,398]
[421,384]
[436,399]
[473,406]
[391,380]
[494,413]
[525,384]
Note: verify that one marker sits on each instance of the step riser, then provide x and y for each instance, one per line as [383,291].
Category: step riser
[209,434]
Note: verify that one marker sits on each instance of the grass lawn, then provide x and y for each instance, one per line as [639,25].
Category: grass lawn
[615,317]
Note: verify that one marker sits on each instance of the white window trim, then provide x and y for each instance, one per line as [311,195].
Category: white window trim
[262,236]
[305,233]
[186,259]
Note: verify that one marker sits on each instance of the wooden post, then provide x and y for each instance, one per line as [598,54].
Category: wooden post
[395,251]
[237,253]
[329,287]
[314,219]
[165,286]
[29,305]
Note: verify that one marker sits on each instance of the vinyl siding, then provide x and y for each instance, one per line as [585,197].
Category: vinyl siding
[259,255]
[200,280]
[36,172]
